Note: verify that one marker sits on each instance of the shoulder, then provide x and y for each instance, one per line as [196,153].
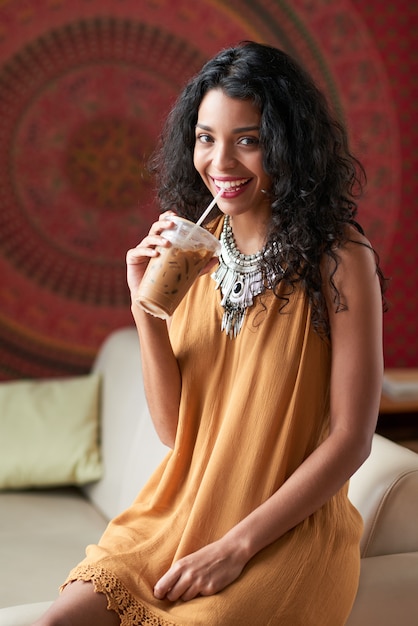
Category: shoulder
[352,273]
[355,254]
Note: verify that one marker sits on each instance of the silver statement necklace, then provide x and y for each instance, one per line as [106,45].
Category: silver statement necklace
[239,277]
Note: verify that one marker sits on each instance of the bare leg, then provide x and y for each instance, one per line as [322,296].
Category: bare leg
[79,605]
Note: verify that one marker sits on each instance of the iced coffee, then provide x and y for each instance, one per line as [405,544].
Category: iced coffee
[169,275]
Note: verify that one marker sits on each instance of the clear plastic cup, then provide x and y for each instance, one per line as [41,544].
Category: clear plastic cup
[169,275]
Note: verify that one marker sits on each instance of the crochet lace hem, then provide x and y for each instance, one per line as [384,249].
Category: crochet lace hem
[130,611]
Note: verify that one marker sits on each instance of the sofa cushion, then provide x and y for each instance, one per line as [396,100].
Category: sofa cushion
[43,535]
[23,615]
[387,594]
[49,432]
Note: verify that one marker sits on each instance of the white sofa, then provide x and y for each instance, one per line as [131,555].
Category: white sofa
[43,533]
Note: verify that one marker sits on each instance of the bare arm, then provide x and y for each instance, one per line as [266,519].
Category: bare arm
[161,374]
[356,377]
[356,374]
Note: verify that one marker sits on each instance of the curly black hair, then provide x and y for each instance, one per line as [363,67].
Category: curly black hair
[316,180]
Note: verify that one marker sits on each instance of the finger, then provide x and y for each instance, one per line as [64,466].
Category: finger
[134,257]
[147,247]
[183,590]
[209,266]
[165,585]
[164,222]
[166,215]
[152,241]
[161,225]
[190,594]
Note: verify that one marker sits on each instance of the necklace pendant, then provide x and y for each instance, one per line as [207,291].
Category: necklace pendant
[239,278]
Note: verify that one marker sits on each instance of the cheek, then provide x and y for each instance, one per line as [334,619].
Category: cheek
[265,179]
[266,182]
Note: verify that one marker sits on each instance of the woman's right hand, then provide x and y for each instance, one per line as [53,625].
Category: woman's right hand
[137,258]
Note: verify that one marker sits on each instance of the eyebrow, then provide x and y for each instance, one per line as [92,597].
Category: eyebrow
[243,129]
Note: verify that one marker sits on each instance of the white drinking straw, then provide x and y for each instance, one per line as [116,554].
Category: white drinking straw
[210,207]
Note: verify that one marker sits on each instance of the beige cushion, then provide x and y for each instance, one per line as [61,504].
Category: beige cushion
[23,615]
[49,432]
[387,595]
[43,534]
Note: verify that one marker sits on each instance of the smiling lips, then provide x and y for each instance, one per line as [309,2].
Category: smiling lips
[231,185]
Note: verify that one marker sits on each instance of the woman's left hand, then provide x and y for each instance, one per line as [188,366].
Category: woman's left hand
[202,573]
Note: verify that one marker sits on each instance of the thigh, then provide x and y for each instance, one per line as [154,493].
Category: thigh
[79,604]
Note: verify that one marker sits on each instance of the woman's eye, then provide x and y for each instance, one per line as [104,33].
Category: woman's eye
[249,141]
[204,138]
[243,141]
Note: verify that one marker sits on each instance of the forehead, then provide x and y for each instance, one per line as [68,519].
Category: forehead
[217,106]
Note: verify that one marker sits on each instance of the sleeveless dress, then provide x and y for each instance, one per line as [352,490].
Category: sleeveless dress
[252,409]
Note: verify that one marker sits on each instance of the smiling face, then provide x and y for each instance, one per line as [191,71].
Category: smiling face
[228,154]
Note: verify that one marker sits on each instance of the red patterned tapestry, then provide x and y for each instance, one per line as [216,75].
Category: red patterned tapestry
[84,88]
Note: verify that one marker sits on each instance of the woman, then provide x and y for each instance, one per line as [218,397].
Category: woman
[265,384]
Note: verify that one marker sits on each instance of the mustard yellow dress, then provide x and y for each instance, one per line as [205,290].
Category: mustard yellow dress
[252,409]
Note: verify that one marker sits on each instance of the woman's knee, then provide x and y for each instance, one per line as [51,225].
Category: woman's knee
[79,605]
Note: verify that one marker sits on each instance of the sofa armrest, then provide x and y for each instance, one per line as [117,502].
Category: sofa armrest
[385,491]
[130,446]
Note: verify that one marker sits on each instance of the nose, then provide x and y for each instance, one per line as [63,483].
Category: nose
[223,156]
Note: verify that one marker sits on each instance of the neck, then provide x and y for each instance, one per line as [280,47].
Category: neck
[249,234]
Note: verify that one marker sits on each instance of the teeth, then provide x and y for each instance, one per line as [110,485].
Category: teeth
[231,184]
